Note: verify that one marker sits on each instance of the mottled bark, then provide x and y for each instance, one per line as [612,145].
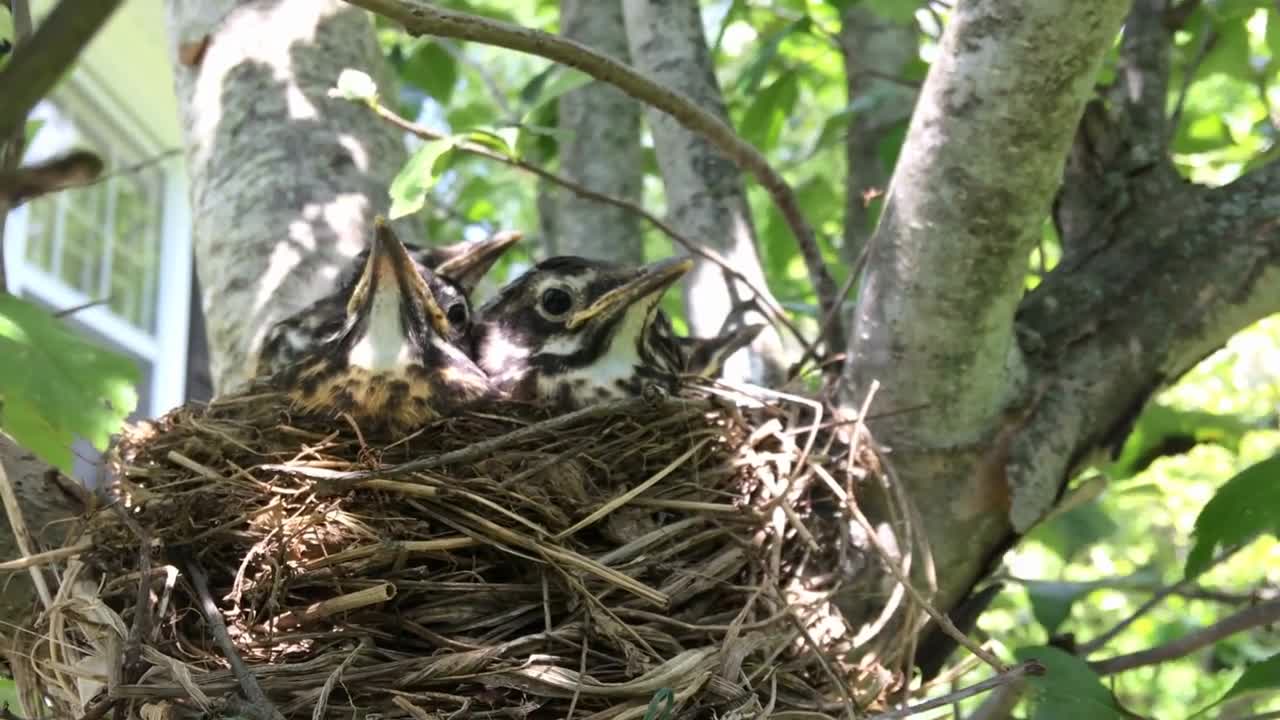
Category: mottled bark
[976,176]
[285,180]
[876,52]
[602,149]
[706,199]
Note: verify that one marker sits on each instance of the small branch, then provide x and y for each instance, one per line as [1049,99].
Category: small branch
[82,306]
[1086,649]
[1010,676]
[141,627]
[420,18]
[1256,616]
[37,65]
[44,558]
[775,312]
[248,683]
[1208,38]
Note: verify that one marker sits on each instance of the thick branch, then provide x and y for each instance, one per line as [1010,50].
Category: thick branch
[974,182]
[38,64]
[1175,281]
[425,19]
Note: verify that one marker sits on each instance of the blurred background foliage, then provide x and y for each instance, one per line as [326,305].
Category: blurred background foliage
[782,72]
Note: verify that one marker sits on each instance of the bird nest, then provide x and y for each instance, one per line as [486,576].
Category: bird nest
[677,554]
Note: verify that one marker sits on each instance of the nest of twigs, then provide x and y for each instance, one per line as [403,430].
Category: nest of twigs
[678,554]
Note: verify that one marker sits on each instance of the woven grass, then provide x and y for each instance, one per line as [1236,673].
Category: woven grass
[503,563]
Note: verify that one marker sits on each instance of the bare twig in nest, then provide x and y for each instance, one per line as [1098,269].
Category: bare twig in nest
[140,629]
[26,544]
[1013,674]
[333,606]
[248,683]
[46,557]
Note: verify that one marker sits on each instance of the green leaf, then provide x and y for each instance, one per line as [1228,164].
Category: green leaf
[32,129]
[1166,430]
[410,186]
[762,123]
[1051,601]
[56,386]
[431,68]
[355,85]
[1069,690]
[1263,675]
[1246,505]
[490,139]
[550,85]
[1230,51]
[1075,530]
[753,73]
[898,11]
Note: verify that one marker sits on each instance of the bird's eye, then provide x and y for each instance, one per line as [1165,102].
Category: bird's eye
[556,302]
[457,314]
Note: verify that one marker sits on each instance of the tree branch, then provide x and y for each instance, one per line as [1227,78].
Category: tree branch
[1008,677]
[1256,616]
[775,312]
[420,18]
[975,179]
[38,64]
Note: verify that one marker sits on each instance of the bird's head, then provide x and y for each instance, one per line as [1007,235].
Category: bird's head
[574,331]
[391,360]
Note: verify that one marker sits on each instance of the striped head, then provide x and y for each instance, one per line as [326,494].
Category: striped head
[455,272]
[571,332]
[389,361]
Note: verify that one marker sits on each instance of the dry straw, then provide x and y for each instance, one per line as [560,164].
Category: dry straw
[496,564]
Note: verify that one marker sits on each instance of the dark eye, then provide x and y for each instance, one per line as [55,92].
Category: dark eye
[556,302]
[457,314]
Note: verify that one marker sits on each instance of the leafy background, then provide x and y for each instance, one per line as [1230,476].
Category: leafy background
[1074,577]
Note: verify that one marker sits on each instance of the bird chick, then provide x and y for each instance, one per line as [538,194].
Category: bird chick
[390,363]
[572,332]
[456,269]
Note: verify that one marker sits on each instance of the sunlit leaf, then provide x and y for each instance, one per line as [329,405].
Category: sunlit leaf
[763,121]
[355,85]
[1051,601]
[1229,53]
[1075,530]
[489,139]
[431,68]
[766,51]
[1245,506]
[550,85]
[1263,675]
[55,386]
[1069,690]
[410,186]
[1166,430]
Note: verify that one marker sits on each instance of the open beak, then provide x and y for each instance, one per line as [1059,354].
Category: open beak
[468,262]
[648,284]
[391,273]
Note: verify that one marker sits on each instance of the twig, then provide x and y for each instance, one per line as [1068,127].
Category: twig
[420,18]
[46,557]
[218,627]
[36,65]
[1256,616]
[18,525]
[1013,674]
[942,620]
[11,144]
[776,313]
[141,627]
[82,306]
[825,329]
[336,483]
[340,604]
[1086,649]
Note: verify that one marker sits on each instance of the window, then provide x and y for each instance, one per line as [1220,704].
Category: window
[121,245]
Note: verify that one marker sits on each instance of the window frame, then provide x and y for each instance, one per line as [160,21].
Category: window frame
[86,98]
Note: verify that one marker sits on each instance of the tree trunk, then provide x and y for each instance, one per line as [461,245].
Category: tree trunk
[876,51]
[706,199]
[285,180]
[934,323]
[602,151]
